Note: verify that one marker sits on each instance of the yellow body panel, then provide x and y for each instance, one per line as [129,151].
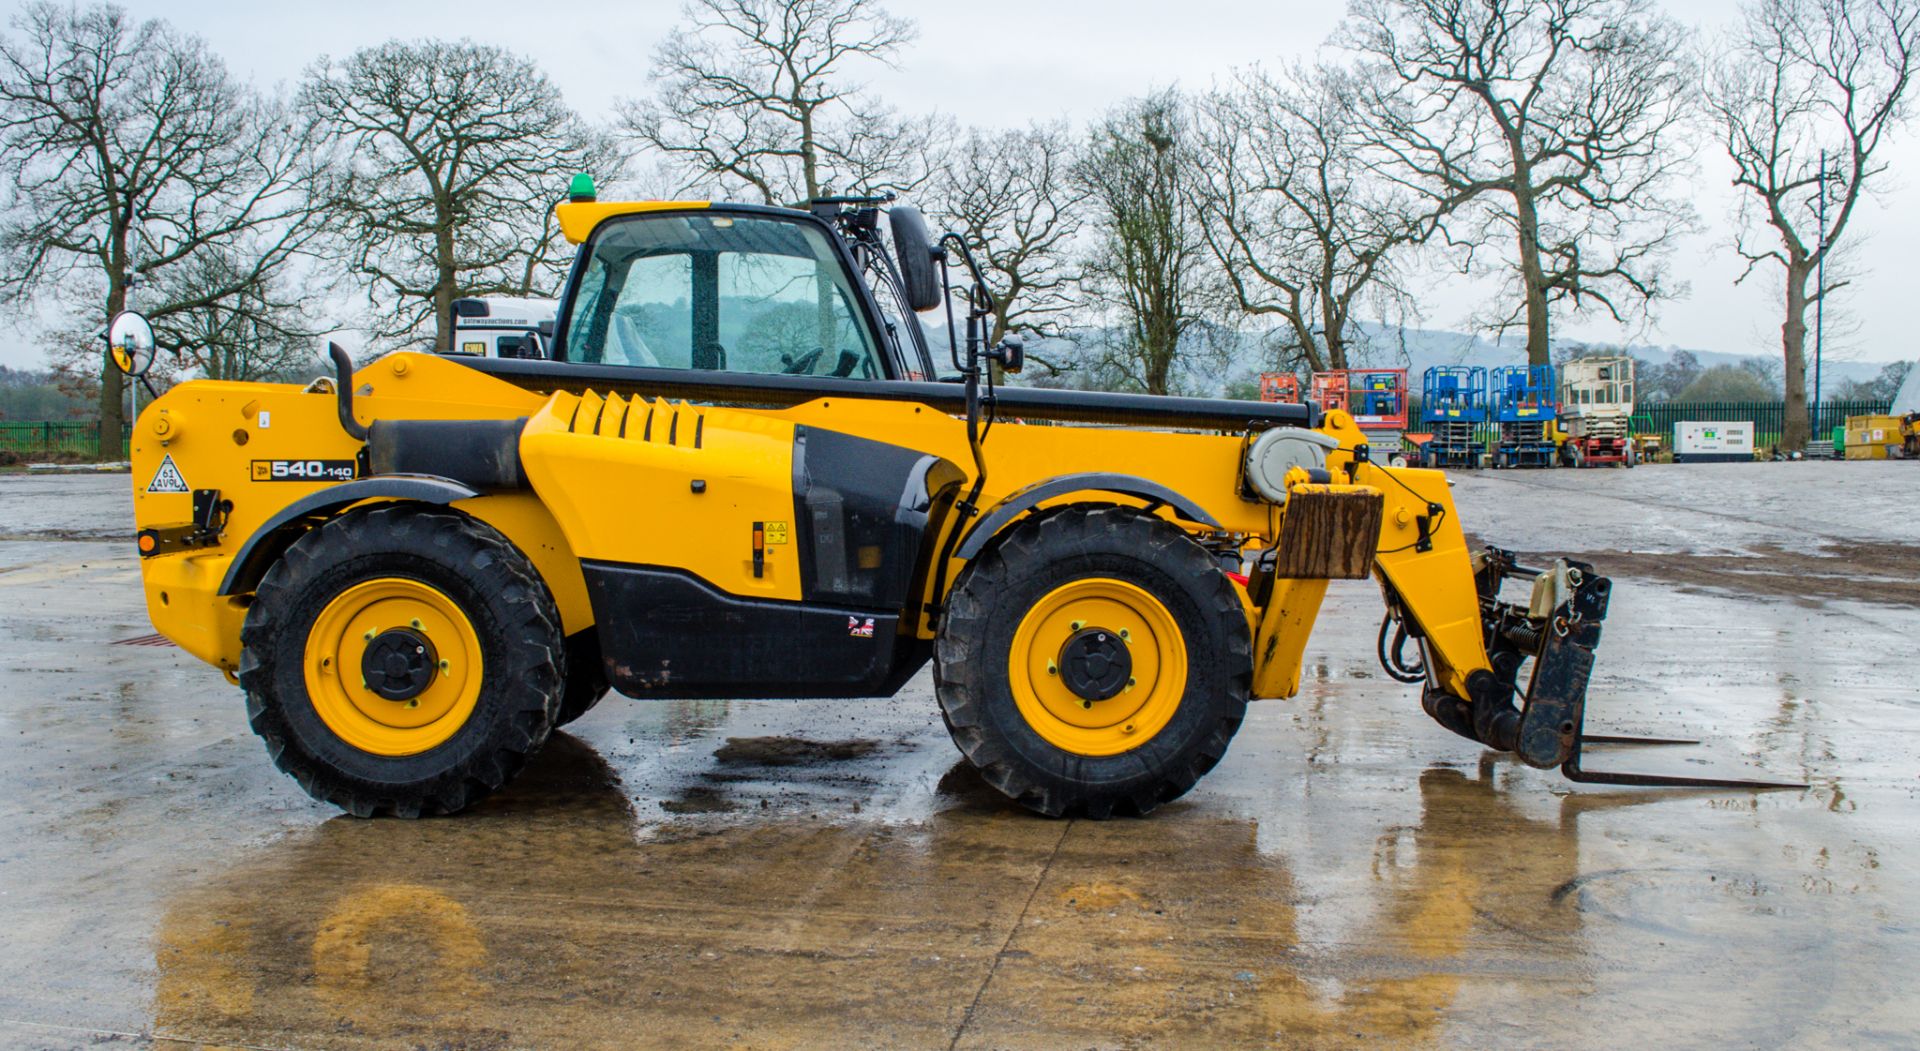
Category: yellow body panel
[578,218]
[217,433]
[628,483]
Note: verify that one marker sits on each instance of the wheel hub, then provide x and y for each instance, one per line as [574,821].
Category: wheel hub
[399,664]
[1095,664]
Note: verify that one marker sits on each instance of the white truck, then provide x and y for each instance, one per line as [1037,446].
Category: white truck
[503,327]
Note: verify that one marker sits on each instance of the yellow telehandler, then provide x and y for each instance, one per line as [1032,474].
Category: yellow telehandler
[742,467]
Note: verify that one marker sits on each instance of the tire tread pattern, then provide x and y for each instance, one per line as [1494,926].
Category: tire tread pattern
[525,656]
[971,679]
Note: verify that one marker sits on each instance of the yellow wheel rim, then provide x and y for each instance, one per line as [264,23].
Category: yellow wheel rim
[1157,676]
[335,665]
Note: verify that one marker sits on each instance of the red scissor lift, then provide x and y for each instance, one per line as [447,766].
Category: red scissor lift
[1375,398]
[1279,386]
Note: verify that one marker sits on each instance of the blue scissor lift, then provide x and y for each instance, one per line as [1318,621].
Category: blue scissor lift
[1453,405]
[1525,406]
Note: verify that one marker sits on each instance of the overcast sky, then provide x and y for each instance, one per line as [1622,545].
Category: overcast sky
[1005,62]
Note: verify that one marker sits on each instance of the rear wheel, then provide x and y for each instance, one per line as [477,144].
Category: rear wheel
[402,660]
[1095,661]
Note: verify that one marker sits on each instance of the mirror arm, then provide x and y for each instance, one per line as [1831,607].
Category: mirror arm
[343,387]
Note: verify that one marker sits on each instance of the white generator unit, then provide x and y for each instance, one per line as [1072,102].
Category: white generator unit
[503,327]
[1704,441]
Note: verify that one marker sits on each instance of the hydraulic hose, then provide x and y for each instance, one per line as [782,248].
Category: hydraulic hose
[1393,657]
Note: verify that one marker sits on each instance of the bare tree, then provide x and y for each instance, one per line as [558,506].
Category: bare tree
[1798,79]
[1140,174]
[271,330]
[450,154]
[1012,194]
[1549,123]
[128,156]
[1304,231]
[755,97]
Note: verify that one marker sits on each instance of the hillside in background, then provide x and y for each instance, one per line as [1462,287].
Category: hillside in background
[1416,350]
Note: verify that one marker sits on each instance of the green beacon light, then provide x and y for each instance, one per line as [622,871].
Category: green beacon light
[581,188]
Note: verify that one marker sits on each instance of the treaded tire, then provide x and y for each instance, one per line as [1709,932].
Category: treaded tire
[495,587]
[973,654]
[586,677]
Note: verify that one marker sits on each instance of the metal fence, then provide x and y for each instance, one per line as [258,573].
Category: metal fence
[41,437]
[1766,416]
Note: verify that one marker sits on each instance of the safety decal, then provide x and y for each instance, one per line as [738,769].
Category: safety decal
[776,533]
[168,478]
[860,628]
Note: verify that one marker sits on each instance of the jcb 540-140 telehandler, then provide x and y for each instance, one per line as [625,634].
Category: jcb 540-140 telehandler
[739,469]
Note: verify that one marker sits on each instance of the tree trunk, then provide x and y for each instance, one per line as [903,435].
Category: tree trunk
[443,291]
[112,382]
[1793,346]
[1532,279]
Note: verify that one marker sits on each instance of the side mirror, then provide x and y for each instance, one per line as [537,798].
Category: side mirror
[914,249]
[1011,354]
[130,342]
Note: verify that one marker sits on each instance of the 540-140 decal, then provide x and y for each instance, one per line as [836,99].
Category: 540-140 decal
[304,470]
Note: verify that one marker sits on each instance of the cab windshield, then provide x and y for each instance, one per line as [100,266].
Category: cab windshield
[719,292]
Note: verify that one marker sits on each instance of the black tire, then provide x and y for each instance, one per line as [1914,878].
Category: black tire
[586,677]
[493,586]
[973,661]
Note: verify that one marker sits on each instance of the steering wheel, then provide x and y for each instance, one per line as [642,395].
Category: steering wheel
[803,364]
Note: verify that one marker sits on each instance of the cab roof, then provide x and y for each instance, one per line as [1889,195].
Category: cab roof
[578,218]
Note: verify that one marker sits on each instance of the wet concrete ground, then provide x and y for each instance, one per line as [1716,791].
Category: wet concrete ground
[825,874]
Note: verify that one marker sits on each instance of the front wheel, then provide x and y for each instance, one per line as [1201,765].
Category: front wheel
[402,660]
[1095,661]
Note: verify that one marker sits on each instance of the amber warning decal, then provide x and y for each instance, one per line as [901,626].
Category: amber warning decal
[168,478]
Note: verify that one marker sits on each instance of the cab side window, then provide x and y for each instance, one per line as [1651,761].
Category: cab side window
[719,292]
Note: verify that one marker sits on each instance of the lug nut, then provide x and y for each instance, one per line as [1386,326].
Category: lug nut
[445,666]
[1077,625]
[369,635]
[1123,635]
[416,625]
[415,703]
[1052,668]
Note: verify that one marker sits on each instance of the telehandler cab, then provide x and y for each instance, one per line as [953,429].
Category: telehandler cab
[746,473]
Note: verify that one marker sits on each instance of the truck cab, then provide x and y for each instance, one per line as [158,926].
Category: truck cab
[503,327]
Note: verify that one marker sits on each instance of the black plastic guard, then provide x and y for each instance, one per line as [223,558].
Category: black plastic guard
[665,633]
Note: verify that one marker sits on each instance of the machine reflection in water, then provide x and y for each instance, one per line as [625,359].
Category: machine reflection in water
[545,918]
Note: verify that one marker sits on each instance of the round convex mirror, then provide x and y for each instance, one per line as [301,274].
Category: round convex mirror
[130,339]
